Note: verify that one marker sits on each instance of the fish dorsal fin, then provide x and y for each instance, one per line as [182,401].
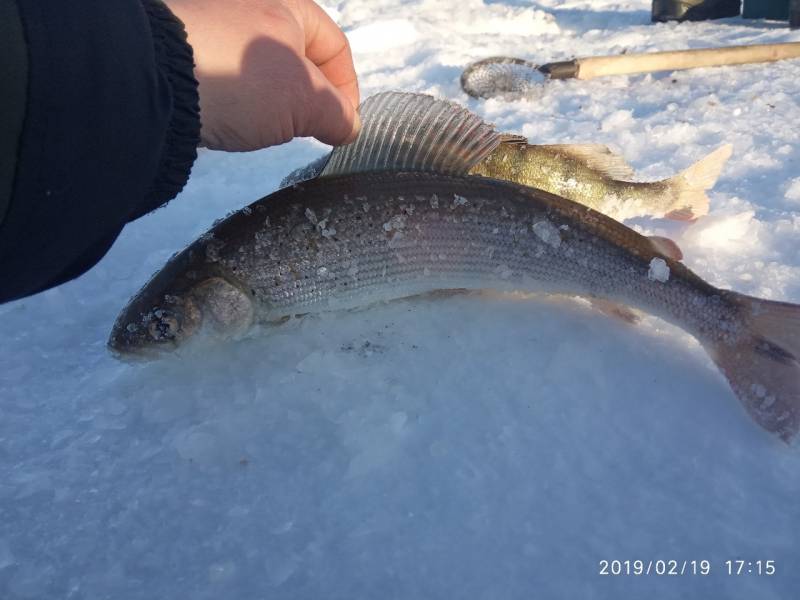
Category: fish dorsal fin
[414,132]
[598,157]
[309,171]
[666,246]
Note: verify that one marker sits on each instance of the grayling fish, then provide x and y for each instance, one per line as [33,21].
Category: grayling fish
[394,214]
[590,174]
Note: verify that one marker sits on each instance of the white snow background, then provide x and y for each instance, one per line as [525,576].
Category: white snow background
[482,446]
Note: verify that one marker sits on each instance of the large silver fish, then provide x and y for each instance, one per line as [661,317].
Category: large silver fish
[395,214]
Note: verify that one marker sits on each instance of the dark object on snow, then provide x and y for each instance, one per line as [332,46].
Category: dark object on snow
[100,124]
[776,10]
[794,14]
[694,10]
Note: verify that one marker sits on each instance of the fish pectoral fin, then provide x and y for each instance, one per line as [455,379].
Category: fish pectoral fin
[687,213]
[616,311]
[666,246]
[597,157]
[414,132]
[512,139]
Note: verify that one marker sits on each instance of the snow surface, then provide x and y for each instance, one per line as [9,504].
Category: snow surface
[482,446]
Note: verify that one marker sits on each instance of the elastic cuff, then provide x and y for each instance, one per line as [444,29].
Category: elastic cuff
[175,61]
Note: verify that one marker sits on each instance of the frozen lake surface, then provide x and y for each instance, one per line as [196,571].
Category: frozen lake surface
[476,446]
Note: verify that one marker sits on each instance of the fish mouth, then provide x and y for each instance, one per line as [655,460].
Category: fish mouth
[137,353]
[128,346]
[146,331]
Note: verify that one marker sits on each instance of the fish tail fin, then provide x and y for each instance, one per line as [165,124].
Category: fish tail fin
[763,365]
[690,186]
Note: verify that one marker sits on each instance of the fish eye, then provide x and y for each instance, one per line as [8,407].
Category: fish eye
[164,326]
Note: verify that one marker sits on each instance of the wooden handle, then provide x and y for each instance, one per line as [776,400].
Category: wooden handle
[588,68]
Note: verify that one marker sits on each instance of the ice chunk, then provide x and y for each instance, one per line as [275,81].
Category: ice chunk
[548,233]
[658,271]
[459,200]
[396,223]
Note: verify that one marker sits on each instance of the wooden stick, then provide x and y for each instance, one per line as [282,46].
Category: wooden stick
[623,64]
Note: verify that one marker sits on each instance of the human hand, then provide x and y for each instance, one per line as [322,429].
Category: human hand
[269,71]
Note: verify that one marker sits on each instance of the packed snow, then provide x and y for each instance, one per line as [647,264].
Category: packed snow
[658,270]
[461,446]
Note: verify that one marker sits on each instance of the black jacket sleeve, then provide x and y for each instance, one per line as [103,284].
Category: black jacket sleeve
[109,131]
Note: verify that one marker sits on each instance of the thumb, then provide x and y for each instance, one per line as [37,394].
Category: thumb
[330,115]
